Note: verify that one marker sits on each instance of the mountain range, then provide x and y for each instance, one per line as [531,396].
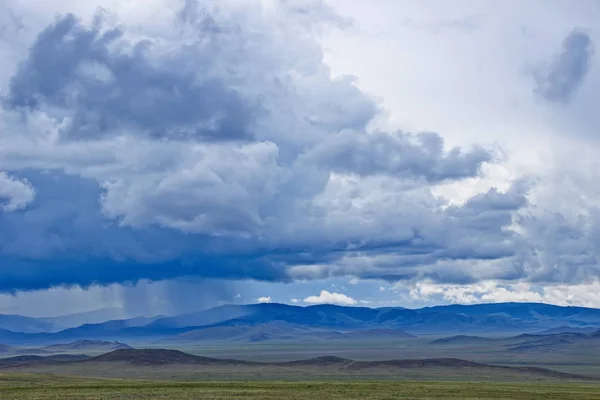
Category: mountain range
[258,322]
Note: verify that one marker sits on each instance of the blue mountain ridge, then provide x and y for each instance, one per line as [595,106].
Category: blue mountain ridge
[479,318]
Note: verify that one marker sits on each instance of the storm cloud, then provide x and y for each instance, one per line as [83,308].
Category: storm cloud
[220,145]
[105,84]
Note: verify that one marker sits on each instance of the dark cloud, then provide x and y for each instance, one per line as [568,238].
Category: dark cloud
[560,80]
[107,85]
[63,239]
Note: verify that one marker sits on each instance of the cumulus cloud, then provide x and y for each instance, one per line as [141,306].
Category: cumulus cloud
[326,297]
[559,81]
[399,154]
[266,299]
[242,165]
[15,194]
[494,292]
[220,145]
[104,84]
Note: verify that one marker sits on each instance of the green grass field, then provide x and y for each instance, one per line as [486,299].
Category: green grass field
[46,387]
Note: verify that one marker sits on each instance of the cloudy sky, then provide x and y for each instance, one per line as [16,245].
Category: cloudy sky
[162,156]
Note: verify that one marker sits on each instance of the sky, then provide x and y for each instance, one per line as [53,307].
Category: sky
[165,156]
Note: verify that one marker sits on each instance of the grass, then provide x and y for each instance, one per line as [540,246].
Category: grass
[48,387]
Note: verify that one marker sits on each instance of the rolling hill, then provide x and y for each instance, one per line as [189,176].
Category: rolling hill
[153,361]
[522,343]
[568,329]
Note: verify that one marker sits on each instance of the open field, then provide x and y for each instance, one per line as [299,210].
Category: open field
[46,387]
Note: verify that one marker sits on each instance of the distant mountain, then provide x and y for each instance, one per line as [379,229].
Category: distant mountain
[4,348]
[275,330]
[461,339]
[237,320]
[504,317]
[111,330]
[86,345]
[23,324]
[202,318]
[30,351]
[281,331]
[548,342]
[378,334]
[19,323]
[93,317]
[524,342]
[568,329]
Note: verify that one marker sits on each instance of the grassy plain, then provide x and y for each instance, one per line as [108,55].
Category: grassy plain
[48,387]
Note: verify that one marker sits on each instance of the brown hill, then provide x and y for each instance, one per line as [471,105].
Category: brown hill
[324,361]
[25,361]
[160,357]
[67,357]
[157,358]
[550,342]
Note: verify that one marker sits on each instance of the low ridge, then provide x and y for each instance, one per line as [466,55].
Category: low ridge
[26,361]
[162,357]
[459,339]
[159,357]
[87,345]
[320,361]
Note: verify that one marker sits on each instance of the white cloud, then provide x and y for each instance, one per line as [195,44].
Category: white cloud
[381,289]
[493,292]
[294,301]
[326,297]
[266,299]
[15,194]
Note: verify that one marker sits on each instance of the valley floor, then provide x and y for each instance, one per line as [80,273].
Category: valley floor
[48,387]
